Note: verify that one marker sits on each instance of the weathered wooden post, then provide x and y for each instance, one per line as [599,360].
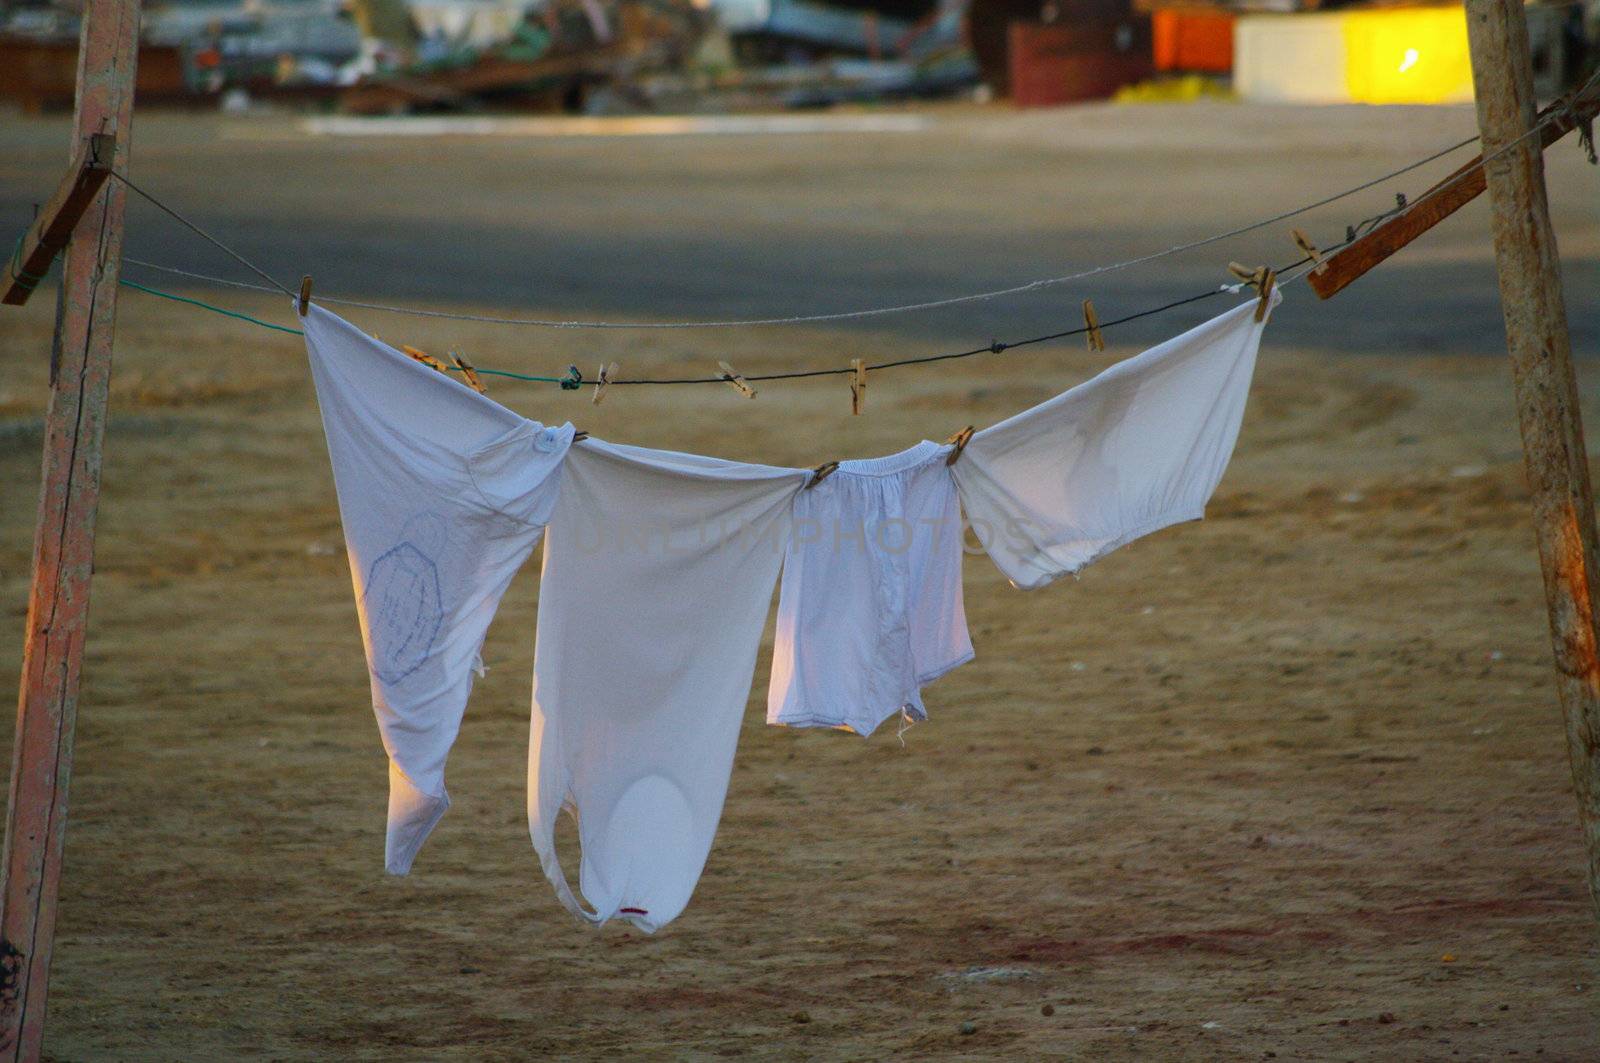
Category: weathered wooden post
[1546,387]
[63,551]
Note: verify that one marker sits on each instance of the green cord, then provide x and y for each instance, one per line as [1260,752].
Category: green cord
[296,332]
[29,281]
[513,376]
[213,309]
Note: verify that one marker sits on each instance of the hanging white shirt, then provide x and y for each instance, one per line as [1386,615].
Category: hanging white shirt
[442,494]
[658,573]
[1137,448]
[870,605]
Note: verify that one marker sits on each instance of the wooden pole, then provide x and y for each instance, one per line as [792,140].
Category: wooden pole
[1546,387]
[63,551]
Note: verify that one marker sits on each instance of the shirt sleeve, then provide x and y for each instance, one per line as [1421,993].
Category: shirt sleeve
[1137,448]
[442,494]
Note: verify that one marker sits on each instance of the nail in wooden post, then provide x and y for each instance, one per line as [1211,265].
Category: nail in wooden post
[1546,388]
[63,550]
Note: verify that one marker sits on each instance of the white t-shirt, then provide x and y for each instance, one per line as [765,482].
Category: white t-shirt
[1137,448]
[870,606]
[442,494]
[658,573]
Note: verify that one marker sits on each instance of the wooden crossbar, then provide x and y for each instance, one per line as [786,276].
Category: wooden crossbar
[30,260]
[1351,263]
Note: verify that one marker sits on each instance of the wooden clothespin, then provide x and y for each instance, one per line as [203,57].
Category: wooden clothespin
[1267,277]
[858,386]
[1250,276]
[821,473]
[735,381]
[959,441]
[1303,242]
[469,373]
[605,378]
[305,294]
[1261,279]
[1097,342]
[426,359]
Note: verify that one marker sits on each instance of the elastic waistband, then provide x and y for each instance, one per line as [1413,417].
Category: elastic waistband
[893,463]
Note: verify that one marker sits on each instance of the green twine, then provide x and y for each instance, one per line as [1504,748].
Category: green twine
[29,281]
[514,376]
[214,309]
[297,332]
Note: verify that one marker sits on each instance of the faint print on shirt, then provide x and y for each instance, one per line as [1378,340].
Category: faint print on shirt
[401,601]
[893,535]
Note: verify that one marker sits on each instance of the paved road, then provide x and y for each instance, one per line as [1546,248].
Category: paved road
[764,224]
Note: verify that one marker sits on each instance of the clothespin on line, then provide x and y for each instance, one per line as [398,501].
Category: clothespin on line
[305,295]
[1303,242]
[1097,342]
[735,381]
[1266,293]
[1261,279]
[425,358]
[469,373]
[821,473]
[858,386]
[606,372]
[1249,276]
[959,441]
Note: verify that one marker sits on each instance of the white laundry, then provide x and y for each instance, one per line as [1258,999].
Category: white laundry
[1137,448]
[870,606]
[658,573]
[442,494]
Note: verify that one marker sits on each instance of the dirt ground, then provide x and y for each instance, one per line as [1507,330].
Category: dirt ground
[1288,783]
[1240,790]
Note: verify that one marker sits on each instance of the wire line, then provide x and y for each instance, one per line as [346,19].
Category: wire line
[931,304]
[192,227]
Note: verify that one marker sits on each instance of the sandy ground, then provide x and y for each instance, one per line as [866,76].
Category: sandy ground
[1286,783]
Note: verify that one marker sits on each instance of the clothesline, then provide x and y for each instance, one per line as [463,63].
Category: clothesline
[574,379]
[931,304]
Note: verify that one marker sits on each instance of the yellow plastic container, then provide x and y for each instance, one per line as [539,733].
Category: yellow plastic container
[1407,55]
[1392,55]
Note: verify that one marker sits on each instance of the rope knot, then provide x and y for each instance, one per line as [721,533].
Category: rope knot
[573,380]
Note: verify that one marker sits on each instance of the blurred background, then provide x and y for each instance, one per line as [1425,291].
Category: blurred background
[600,57]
